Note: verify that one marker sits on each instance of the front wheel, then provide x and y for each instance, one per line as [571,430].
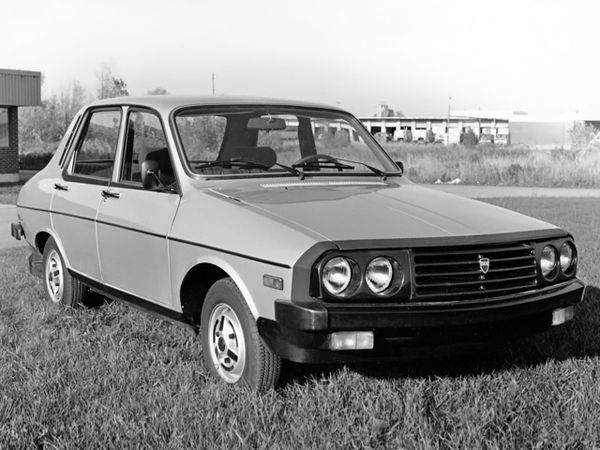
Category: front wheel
[59,286]
[231,346]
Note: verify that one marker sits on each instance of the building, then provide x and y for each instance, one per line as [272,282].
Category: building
[539,131]
[17,88]
[439,129]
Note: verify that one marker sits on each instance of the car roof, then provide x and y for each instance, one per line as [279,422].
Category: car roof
[167,103]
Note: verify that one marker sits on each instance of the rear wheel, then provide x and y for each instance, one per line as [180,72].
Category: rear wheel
[59,286]
[231,346]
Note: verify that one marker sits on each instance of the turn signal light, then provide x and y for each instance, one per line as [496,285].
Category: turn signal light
[562,315]
[351,340]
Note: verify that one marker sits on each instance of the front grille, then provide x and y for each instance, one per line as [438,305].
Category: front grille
[455,273]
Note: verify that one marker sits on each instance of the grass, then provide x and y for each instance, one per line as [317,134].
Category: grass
[113,377]
[511,166]
[482,164]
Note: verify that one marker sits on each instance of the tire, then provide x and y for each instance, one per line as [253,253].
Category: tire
[60,287]
[232,349]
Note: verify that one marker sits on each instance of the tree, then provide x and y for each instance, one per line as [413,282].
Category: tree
[158,91]
[42,127]
[582,135]
[430,136]
[468,138]
[109,85]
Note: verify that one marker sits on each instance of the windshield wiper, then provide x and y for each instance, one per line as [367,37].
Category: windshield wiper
[247,163]
[321,162]
[235,163]
[375,170]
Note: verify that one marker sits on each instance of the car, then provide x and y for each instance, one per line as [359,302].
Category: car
[282,231]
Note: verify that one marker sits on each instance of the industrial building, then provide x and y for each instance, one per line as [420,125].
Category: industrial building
[17,88]
[443,130]
[490,126]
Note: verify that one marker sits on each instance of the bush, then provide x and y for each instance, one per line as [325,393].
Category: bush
[430,136]
[34,161]
[468,138]
[582,135]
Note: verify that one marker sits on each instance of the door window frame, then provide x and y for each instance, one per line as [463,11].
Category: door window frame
[120,155]
[68,174]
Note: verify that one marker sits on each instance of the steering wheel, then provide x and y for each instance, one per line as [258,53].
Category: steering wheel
[311,158]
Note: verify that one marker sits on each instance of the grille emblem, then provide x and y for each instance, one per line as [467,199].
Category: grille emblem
[484,264]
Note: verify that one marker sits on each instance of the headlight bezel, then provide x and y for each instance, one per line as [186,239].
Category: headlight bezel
[558,274]
[398,288]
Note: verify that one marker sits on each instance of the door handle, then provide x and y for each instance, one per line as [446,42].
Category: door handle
[110,194]
[61,187]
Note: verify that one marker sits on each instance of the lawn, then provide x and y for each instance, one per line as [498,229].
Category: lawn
[113,377]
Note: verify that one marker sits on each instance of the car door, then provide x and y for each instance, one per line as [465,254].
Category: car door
[79,193]
[133,222]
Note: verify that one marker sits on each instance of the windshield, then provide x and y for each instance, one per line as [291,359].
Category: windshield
[277,141]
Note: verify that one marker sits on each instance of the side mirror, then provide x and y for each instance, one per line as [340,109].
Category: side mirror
[149,174]
[400,164]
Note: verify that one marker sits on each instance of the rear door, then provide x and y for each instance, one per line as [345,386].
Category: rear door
[133,222]
[79,193]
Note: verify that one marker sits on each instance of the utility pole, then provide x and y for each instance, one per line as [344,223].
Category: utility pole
[213,84]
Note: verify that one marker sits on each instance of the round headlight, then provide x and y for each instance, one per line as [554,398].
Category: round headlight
[548,261]
[379,275]
[336,275]
[566,257]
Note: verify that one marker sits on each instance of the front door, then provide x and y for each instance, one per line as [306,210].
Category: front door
[133,222]
[79,193]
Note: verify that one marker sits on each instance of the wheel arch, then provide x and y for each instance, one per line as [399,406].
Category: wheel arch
[42,237]
[198,280]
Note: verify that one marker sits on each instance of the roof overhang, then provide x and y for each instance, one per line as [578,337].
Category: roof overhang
[20,88]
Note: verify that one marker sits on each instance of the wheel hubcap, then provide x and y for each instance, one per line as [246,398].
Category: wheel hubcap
[54,276]
[226,341]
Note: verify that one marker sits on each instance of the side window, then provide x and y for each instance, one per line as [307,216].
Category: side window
[145,141]
[96,153]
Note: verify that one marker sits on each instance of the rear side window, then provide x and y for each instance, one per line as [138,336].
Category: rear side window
[95,155]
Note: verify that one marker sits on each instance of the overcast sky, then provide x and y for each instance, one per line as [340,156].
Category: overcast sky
[540,56]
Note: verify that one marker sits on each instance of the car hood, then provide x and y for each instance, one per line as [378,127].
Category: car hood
[359,210]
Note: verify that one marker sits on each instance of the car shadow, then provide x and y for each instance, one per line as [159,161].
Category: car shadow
[580,338]
[94,300]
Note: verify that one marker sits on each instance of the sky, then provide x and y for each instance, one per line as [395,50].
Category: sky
[419,57]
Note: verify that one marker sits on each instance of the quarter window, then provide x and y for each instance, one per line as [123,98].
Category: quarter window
[96,153]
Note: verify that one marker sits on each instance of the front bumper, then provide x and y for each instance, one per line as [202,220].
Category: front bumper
[302,329]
